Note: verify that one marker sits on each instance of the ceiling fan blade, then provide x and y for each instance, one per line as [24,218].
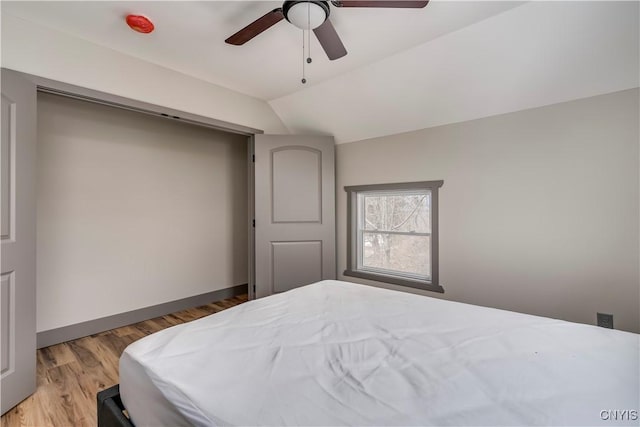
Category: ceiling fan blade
[330,41]
[375,3]
[256,27]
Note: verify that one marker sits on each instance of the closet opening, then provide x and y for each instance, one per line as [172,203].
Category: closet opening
[136,210]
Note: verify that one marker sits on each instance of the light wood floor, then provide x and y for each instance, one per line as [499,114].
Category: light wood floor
[70,374]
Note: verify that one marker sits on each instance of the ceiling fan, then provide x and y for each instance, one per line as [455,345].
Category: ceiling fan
[314,15]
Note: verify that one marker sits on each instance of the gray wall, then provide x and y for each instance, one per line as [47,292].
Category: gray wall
[133,211]
[539,212]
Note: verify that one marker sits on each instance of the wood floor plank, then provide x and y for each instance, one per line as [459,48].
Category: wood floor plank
[73,399]
[107,374]
[70,374]
[125,330]
[114,343]
[162,322]
[41,372]
[173,318]
[82,353]
[56,355]
[146,327]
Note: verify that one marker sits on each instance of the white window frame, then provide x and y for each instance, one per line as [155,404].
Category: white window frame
[355,215]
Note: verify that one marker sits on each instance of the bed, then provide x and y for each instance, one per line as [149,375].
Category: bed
[338,353]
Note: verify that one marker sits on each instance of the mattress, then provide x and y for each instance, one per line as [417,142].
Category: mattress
[337,353]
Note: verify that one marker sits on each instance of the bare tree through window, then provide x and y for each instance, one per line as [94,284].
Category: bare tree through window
[396,231]
[393,233]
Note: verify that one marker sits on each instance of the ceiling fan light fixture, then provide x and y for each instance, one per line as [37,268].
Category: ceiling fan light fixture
[306,14]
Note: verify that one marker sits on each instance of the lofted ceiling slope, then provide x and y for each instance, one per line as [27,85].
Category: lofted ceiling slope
[537,54]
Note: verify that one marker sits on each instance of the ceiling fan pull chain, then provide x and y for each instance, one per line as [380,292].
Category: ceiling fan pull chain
[309,32]
[304,80]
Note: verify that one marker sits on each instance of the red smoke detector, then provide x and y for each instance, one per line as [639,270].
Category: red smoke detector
[140,24]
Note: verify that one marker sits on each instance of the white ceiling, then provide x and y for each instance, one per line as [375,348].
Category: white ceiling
[540,53]
[189,36]
[406,70]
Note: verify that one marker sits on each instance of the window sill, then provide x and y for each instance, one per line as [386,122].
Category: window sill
[417,284]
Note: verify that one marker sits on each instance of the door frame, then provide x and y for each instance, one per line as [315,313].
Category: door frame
[78,92]
[55,87]
[251,215]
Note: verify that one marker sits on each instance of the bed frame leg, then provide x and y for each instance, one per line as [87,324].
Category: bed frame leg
[110,409]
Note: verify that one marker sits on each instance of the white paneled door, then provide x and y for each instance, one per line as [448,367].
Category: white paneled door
[294,212]
[18,248]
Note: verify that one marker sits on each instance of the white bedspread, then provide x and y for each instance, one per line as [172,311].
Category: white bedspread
[336,353]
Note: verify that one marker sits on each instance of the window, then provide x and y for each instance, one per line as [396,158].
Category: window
[392,233]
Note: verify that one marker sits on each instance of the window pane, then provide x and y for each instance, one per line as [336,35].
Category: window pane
[400,253]
[401,212]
